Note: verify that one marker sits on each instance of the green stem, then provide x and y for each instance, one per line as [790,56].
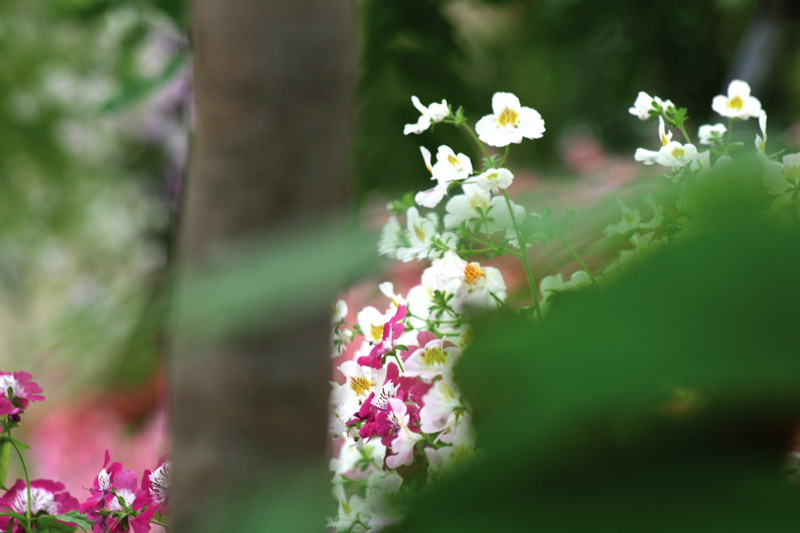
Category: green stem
[685,135]
[730,135]
[477,140]
[496,248]
[501,302]
[162,524]
[27,483]
[580,261]
[523,246]
[505,156]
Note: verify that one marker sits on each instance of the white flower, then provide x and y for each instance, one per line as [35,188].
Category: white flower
[387,288]
[339,311]
[478,284]
[382,491]
[371,322]
[711,134]
[761,140]
[439,405]
[494,179]
[644,104]
[676,155]
[351,510]
[444,274]
[463,207]
[554,284]
[433,113]
[391,238]
[498,211]
[631,218]
[509,123]
[738,103]
[431,360]
[448,167]
[650,157]
[403,443]
[420,234]
[783,179]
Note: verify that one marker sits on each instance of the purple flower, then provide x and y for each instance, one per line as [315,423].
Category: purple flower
[46,495]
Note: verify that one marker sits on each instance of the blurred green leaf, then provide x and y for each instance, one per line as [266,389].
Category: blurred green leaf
[576,415]
[275,281]
[139,88]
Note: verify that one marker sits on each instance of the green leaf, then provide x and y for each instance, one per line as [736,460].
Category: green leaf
[77,518]
[5,460]
[575,413]
[139,88]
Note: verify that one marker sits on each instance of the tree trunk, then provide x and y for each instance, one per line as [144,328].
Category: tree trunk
[273,89]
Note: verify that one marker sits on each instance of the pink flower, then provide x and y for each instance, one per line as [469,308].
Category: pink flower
[16,391]
[46,495]
[394,386]
[155,487]
[117,490]
[391,331]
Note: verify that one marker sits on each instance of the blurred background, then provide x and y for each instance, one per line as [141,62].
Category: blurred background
[95,115]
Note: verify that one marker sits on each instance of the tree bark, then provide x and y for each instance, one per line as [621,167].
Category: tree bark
[273,89]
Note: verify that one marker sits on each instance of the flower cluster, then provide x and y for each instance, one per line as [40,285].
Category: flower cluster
[686,163]
[397,416]
[116,503]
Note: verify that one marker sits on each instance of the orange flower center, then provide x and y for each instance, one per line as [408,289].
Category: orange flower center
[360,385]
[736,103]
[472,273]
[508,117]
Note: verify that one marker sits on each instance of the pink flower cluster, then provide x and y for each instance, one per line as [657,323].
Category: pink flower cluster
[118,504]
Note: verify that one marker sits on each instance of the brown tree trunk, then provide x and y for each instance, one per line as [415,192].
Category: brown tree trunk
[273,86]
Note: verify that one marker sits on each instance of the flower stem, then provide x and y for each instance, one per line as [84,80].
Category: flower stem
[505,156]
[580,261]
[685,135]
[27,483]
[523,246]
[474,136]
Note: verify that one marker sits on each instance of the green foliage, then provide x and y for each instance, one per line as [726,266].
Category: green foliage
[262,285]
[583,420]
[5,460]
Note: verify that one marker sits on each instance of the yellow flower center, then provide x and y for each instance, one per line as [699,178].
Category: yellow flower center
[664,140]
[434,355]
[508,117]
[453,160]
[346,508]
[466,338]
[360,385]
[492,176]
[472,273]
[736,103]
[476,200]
[376,332]
[678,152]
[419,232]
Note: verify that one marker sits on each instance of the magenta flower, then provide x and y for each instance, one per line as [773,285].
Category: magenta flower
[46,496]
[391,331]
[155,487]
[394,386]
[117,490]
[16,391]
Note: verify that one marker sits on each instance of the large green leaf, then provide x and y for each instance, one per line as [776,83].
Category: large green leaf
[577,418]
